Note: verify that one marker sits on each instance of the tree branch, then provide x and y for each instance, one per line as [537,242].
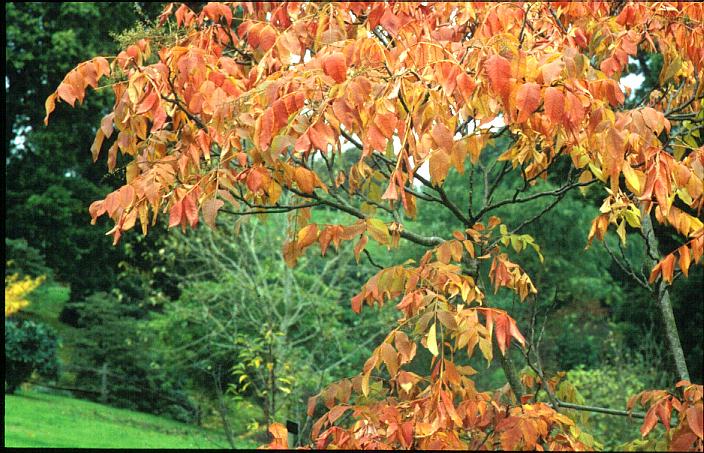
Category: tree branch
[601,410]
[663,299]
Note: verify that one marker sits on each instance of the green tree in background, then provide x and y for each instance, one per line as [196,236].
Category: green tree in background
[248,326]
[48,183]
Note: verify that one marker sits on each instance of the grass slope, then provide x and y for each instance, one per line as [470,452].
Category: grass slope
[34,419]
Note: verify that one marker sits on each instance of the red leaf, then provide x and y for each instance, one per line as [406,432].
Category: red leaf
[527,100]
[334,65]
[191,210]
[391,22]
[499,71]
[267,38]
[610,66]
[254,180]
[336,412]
[502,329]
[554,104]
[465,85]
[573,109]
[266,128]
[649,423]
[695,421]
[175,214]
[321,135]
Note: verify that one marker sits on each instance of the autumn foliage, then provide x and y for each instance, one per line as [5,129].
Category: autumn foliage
[253,108]
[16,291]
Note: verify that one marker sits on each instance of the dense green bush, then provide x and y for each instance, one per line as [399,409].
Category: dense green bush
[29,347]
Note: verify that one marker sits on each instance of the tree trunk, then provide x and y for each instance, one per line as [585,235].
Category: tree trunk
[104,383]
[663,299]
[511,375]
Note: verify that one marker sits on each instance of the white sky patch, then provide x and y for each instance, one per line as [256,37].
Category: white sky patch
[19,141]
[632,82]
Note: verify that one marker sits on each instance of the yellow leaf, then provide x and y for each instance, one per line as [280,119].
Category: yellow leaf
[596,171]
[432,341]
[365,384]
[621,231]
[378,230]
[631,178]
[632,216]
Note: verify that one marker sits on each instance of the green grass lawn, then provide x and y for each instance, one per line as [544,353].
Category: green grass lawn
[34,419]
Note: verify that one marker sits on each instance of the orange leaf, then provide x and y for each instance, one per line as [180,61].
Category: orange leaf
[190,210]
[359,247]
[210,209]
[334,65]
[498,69]
[175,214]
[97,144]
[668,267]
[684,260]
[442,137]
[439,166]
[321,135]
[336,412]
[695,421]
[50,105]
[266,128]
[527,100]
[67,93]
[465,85]
[311,405]
[280,436]
[649,423]
[267,38]
[307,235]
[386,123]
[554,104]
[305,179]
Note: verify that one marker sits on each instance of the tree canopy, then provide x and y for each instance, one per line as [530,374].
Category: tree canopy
[365,108]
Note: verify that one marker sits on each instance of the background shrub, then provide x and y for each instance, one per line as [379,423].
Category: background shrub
[29,347]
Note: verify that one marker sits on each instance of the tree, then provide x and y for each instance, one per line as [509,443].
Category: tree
[48,182]
[114,362]
[283,331]
[250,104]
